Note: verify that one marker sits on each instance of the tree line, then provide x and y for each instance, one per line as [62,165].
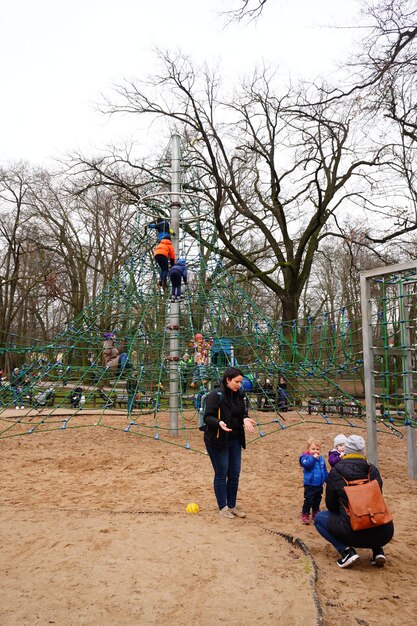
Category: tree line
[307,184]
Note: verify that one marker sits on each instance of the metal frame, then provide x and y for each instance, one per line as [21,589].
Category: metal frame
[368,361]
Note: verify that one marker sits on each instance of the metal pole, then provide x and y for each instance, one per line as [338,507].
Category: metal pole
[408,378]
[174,315]
[368,369]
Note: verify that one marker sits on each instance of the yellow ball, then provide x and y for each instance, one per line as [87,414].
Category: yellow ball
[192,508]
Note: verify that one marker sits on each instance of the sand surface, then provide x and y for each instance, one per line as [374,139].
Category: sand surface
[94,531]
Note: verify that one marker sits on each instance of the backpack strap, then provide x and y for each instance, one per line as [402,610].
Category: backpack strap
[220,396]
[358,481]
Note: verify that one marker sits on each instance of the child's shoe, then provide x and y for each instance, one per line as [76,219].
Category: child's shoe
[314,514]
[305,518]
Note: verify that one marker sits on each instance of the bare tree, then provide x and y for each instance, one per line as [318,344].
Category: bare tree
[246,10]
[384,86]
[85,229]
[61,241]
[17,276]
[270,164]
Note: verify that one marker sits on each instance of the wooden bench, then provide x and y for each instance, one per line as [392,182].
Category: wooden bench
[334,408]
[143,401]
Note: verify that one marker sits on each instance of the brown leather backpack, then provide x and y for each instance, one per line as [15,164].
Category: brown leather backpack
[367,507]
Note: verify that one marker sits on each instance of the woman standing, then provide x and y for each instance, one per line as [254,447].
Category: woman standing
[226,420]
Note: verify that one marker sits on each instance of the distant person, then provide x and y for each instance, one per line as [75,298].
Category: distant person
[177,274]
[162,228]
[77,399]
[114,357]
[2,387]
[18,380]
[226,421]
[315,474]
[165,257]
[201,358]
[338,450]
[132,388]
[334,524]
[283,395]
[185,365]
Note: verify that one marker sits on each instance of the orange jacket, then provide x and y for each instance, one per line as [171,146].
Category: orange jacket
[166,248]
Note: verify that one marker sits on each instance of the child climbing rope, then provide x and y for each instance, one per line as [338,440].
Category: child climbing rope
[114,357]
[162,227]
[164,254]
[178,272]
[201,356]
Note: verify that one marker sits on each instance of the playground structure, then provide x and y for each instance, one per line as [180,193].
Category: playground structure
[327,372]
[390,342]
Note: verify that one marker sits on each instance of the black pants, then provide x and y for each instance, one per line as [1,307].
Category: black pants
[175,282]
[162,261]
[312,498]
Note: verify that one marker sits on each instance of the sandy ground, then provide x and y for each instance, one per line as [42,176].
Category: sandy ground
[94,530]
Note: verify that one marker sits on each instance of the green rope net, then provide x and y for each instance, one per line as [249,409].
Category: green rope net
[311,369]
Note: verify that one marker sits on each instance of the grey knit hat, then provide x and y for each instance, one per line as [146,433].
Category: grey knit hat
[339,439]
[355,444]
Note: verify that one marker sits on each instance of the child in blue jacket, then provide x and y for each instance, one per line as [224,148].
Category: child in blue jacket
[315,474]
[178,272]
[162,228]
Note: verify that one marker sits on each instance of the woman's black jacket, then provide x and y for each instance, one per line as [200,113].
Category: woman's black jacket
[352,468]
[226,399]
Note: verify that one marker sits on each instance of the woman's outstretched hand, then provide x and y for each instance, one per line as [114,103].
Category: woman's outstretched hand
[249,424]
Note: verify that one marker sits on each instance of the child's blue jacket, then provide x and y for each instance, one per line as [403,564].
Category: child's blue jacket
[315,470]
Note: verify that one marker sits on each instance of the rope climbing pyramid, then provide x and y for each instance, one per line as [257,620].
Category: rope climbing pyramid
[139,360]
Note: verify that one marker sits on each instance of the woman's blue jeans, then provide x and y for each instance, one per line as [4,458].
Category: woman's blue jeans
[226,464]
[321,522]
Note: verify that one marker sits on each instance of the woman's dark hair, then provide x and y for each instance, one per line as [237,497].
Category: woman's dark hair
[230,373]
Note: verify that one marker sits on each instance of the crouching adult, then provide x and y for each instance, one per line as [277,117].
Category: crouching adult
[334,524]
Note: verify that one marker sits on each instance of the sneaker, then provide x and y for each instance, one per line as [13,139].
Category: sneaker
[22,407]
[226,512]
[173,299]
[314,515]
[305,518]
[347,558]
[16,407]
[378,558]
[237,512]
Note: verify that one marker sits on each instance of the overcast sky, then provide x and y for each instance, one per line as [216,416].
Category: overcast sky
[58,57]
